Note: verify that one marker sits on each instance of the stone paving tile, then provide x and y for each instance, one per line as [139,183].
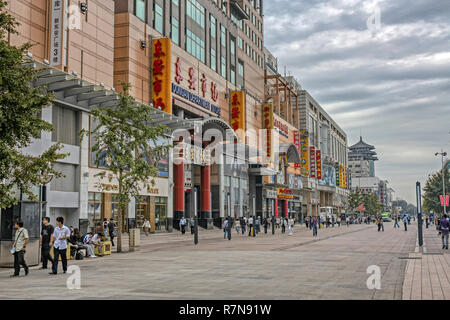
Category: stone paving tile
[169,266]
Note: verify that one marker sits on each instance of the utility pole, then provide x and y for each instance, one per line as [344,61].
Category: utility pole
[443,154]
[419,213]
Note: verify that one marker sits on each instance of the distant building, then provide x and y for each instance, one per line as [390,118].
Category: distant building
[361,158]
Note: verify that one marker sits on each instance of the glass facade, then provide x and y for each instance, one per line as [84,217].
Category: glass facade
[140,9]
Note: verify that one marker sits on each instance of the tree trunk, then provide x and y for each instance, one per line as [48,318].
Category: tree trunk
[119,232]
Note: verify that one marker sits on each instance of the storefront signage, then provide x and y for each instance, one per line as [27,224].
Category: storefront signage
[268,126]
[319,165]
[55,33]
[312,158]
[195,99]
[194,154]
[341,176]
[271,194]
[297,144]
[282,128]
[304,155]
[238,110]
[152,190]
[162,96]
[283,193]
[338,175]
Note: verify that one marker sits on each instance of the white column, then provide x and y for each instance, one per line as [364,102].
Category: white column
[84,169]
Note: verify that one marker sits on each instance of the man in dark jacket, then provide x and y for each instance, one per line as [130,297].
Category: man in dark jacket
[46,233]
[111,230]
[444,228]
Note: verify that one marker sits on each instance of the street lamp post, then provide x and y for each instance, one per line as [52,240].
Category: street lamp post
[443,154]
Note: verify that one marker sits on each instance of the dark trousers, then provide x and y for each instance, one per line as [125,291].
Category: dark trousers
[406,226]
[183,229]
[229,233]
[19,260]
[112,238]
[283,228]
[45,254]
[265,228]
[192,230]
[63,254]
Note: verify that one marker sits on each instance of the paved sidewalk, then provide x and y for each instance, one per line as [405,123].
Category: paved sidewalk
[427,275]
[169,266]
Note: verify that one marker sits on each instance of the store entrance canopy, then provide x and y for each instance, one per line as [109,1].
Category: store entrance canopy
[291,151]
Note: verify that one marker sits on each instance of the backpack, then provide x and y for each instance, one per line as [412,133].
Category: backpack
[79,256]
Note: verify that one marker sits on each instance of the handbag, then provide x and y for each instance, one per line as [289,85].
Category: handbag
[13,250]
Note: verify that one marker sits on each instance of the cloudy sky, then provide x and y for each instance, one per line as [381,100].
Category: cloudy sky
[390,81]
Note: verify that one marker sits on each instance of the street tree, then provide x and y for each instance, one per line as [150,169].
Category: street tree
[433,191]
[127,146]
[372,205]
[355,199]
[20,122]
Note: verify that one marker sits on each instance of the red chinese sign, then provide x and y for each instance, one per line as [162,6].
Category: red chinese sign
[319,165]
[162,94]
[312,162]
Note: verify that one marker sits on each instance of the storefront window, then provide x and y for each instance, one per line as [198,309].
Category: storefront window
[161,214]
[142,210]
[95,210]
[140,9]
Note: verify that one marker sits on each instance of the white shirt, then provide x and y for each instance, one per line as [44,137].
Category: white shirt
[60,233]
[147,224]
[250,220]
[95,238]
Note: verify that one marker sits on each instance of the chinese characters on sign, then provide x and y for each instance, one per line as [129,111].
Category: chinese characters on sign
[338,175]
[268,126]
[319,165]
[283,193]
[238,110]
[162,94]
[297,144]
[55,33]
[283,128]
[313,162]
[304,156]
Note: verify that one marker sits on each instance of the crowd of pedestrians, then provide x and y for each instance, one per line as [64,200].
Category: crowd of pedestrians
[58,239]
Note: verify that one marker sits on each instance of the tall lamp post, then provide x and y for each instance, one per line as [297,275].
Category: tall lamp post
[443,154]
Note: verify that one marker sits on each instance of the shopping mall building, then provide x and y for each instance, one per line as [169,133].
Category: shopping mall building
[202,65]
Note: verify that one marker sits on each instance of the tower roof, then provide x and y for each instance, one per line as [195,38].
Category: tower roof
[361,144]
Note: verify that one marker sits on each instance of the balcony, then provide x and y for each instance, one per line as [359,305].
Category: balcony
[237,9]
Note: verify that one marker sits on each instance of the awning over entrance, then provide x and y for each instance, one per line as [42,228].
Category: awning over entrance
[216,123]
[291,151]
[75,93]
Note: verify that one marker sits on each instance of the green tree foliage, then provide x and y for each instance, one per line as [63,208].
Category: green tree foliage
[372,205]
[20,107]
[131,148]
[432,191]
[355,199]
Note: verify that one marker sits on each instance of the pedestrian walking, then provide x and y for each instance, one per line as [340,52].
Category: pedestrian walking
[257,225]
[283,225]
[243,221]
[46,234]
[105,227]
[314,227]
[230,226]
[192,225]
[183,224]
[112,230]
[291,226]
[238,225]
[444,228]
[347,221]
[427,221]
[396,222]
[21,239]
[405,222]
[266,225]
[225,228]
[59,241]
[146,227]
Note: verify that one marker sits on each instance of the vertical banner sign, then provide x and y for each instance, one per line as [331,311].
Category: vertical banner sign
[162,91]
[55,33]
[268,126]
[338,175]
[297,144]
[312,157]
[319,165]
[304,155]
[446,200]
[341,175]
[238,112]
